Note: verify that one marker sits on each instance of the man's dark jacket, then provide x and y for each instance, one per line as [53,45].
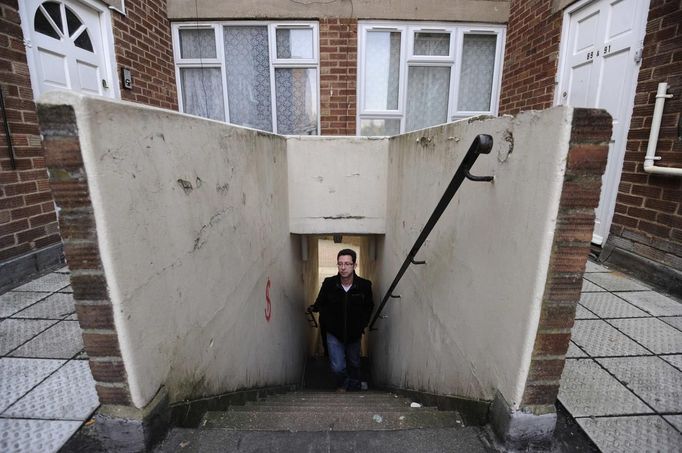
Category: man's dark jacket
[345,314]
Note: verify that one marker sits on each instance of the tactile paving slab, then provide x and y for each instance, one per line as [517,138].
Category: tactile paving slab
[651,378]
[594,267]
[14,332]
[652,333]
[47,283]
[18,376]
[12,302]
[61,341]
[574,351]
[606,305]
[599,339]
[615,281]
[676,420]
[28,436]
[57,306]
[654,303]
[69,394]
[674,360]
[583,313]
[589,287]
[587,390]
[632,434]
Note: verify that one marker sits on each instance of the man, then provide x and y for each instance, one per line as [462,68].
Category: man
[345,304]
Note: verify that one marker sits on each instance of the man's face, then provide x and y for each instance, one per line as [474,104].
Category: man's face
[346,265]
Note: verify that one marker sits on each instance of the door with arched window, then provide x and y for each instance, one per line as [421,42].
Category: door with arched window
[66,46]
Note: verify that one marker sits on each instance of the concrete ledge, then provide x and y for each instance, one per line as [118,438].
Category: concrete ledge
[656,274]
[124,428]
[473,412]
[24,268]
[518,429]
[188,414]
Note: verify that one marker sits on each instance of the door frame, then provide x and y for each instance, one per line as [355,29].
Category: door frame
[612,194]
[106,35]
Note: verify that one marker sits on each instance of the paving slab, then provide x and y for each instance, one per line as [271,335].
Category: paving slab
[653,303]
[67,289]
[588,390]
[594,267]
[598,339]
[675,420]
[615,281]
[44,436]
[63,270]
[48,283]
[15,332]
[632,434]
[61,341]
[13,302]
[18,376]
[652,379]
[583,313]
[674,360]
[589,287]
[606,305]
[652,333]
[574,351]
[69,394]
[675,321]
[56,306]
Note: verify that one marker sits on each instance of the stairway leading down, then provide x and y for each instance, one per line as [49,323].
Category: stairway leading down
[309,421]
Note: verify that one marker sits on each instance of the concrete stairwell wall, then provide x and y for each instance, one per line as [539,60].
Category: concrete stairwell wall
[176,229]
[489,316]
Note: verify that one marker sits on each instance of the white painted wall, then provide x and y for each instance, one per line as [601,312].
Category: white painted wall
[337,184]
[187,272]
[466,321]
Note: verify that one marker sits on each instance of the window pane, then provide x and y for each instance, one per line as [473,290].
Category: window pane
[83,41]
[379,127]
[382,70]
[296,91]
[197,43]
[247,62]
[476,79]
[72,21]
[202,92]
[55,13]
[437,44]
[294,43]
[42,25]
[428,89]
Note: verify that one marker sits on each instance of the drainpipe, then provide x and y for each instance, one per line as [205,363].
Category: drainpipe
[649,167]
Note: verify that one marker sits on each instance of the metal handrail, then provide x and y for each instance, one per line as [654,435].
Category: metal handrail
[482,144]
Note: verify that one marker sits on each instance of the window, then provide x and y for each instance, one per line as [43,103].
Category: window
[259,75]
[412,76]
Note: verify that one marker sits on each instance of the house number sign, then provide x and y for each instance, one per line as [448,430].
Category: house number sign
[605,50]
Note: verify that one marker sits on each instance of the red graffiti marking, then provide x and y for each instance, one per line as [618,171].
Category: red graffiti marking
[268,305]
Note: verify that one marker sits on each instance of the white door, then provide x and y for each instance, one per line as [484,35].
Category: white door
[66,47]
[600,55]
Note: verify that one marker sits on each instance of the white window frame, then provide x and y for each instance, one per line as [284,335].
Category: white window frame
[219,60]
[407,59]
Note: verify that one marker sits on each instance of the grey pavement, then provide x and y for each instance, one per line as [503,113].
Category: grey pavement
[46,388]
[623,376]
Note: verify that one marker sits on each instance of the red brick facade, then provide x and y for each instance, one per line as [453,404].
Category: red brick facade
[338,69]
[27,215]
[648,214]
[142,42]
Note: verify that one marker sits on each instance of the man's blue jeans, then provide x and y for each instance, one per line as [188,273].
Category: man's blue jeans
[345,362]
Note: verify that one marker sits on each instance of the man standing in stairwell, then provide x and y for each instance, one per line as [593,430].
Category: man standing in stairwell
[345,304]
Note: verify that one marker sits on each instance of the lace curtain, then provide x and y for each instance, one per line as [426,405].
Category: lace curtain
[476,78]
[428,90]
[296,92]
[382,70]
[202,92]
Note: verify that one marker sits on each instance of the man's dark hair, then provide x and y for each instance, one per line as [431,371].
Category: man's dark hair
[348,252]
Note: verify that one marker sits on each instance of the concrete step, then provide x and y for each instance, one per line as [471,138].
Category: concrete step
[266,407]
[330,420]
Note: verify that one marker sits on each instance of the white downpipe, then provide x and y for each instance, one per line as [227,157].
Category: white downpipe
[649,167]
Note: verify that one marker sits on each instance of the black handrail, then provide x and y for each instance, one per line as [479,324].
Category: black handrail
[482,144]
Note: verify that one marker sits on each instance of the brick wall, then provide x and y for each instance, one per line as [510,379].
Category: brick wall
[648,215]
[27,216]
[144,45]
[338,69]
[531,56]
